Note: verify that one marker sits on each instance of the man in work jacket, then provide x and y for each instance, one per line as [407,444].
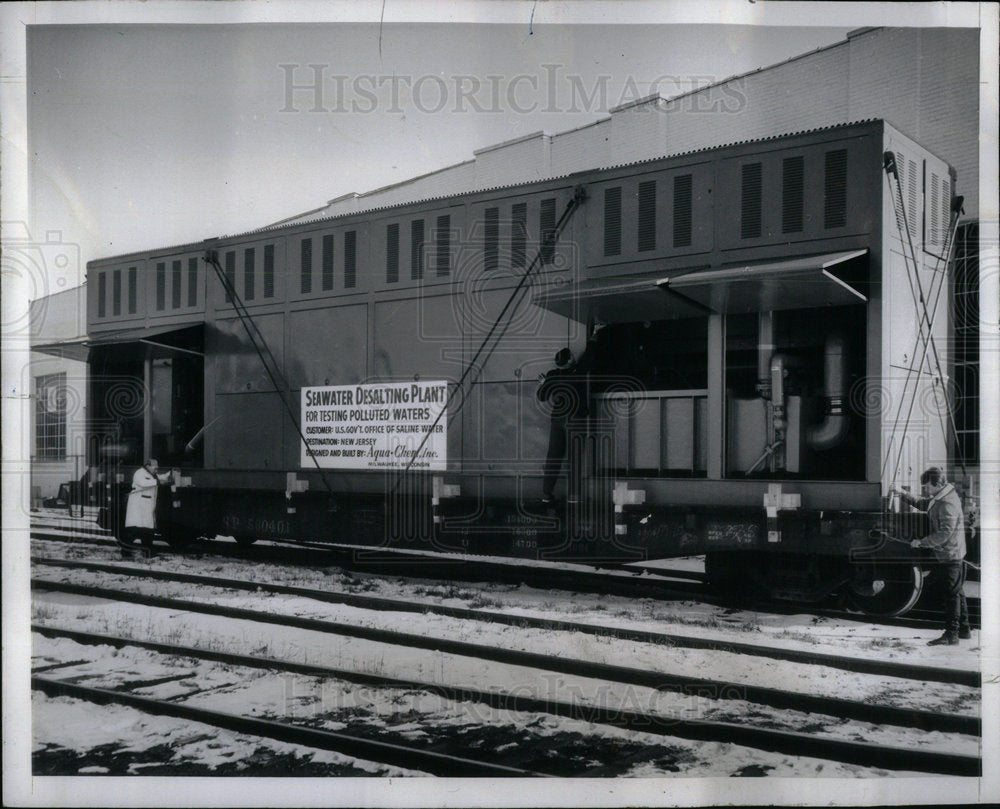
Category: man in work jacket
[564,387]
[140,513]
[947,541]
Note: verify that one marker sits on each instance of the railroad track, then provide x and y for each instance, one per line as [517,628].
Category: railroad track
[763,738]
[396,754]
[843,662]
[779,741]
[615,580]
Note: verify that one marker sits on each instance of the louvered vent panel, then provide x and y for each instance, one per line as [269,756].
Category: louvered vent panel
[901,171]
[613,221]
[934,234]
[350,259]
[682,210]
[328,262]
[835,189]
[547,228]
[392,254]
[116,293]
[750,207]
[133,290]
[940,213]
[443,245]
[647,216]
[417,249]
[792,194]
[192,282]
[269,271]
[249,279]
[491,240]
[102,291]
[161,282]
[306,276]
[230,274]
[518,234]
[175,285]
[914,211]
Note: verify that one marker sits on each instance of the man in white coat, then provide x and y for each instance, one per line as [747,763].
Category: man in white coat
[140,514]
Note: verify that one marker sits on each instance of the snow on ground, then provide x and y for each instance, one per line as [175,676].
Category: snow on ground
[691,663]
[798,631]
[76,737]
[323,700]
[427,666]
[118,740]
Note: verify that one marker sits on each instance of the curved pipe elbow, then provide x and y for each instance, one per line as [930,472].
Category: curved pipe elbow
[829,434]
[833,429]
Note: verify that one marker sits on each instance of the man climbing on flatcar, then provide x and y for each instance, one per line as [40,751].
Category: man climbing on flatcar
[565,389]
[946,540]
[140,512]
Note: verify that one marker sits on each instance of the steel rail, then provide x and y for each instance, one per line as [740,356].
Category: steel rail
[662,681]
[421,566]
[777,741]
[394,754]
[911,671]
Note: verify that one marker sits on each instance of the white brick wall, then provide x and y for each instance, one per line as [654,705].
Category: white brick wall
[519,161]
[581,149]
[805,93]
[922,81]
[638,132]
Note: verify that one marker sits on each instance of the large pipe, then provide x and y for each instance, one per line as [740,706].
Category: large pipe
[778,367]
[765,348]
[833,430]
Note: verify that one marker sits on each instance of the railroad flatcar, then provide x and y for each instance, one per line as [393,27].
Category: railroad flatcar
[762,331]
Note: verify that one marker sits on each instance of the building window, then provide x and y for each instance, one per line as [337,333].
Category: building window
[750,201]
[230,275]
[306,283]
[417,249]
[175,285]
[350,258]
[647,216]
[133,290]
[392,254]
[116,293]
[161,286]
[269,271]
[792,194]
[682,210]
[835,188]
[50,416]
[328,262]
[547,228]
[192,282]
[443,245]
[102,291]
[613,221]
[249,292]
[491,240]
[518,234]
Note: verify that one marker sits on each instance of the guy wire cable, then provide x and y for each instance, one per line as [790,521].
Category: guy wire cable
[211,257]
[578,198]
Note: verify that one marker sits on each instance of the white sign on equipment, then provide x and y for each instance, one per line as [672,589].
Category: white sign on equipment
[376,426]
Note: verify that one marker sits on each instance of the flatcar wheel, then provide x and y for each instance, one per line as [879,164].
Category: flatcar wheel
[884,590]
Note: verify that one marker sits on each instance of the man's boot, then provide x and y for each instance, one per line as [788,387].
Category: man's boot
[949,638]
[964,632]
